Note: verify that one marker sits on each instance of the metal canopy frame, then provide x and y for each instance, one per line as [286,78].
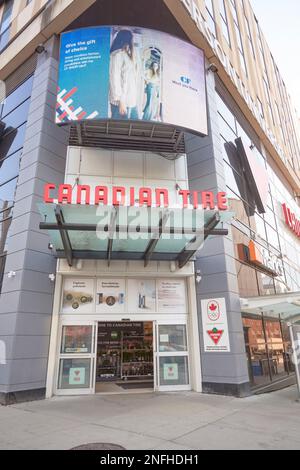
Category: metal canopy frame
[149,254]
[153,243]
[64,235]
[164,139]
[195,244]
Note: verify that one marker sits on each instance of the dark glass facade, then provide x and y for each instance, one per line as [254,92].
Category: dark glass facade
[268,349]
[13,116]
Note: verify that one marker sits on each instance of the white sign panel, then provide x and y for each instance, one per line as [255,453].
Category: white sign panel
[142,296]
[110,296]
[77,376]
[171,372]
[171,296]
[78,296]
[215,325]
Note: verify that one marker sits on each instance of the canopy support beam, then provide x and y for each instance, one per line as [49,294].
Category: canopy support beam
[187,254]
[112,228]
[153,243]
[64,235]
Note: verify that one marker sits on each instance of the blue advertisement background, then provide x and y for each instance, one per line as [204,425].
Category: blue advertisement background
[90,96]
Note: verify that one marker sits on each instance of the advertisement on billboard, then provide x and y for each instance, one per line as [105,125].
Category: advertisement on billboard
[131,74]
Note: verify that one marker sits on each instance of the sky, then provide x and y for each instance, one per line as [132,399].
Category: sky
[280,23]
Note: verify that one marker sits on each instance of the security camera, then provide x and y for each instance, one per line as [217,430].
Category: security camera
[198,276]
[212,68]
[52,277]
[40,49]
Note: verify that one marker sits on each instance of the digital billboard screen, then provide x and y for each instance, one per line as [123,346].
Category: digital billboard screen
[133,74]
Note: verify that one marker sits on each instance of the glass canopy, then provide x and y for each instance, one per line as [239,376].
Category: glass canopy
[286,305]
[133,233]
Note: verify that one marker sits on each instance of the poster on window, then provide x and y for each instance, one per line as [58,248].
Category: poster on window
[142,295]
[171,296]
[171,372]
[215,325]
[77,376]
[110,296]
[78,296]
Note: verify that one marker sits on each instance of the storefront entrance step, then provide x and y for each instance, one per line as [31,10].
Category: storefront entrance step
[275,386]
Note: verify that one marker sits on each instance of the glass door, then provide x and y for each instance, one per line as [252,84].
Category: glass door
[124,356]
[76,361]
[172,357]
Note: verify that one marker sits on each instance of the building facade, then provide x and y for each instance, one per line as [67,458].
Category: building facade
[81,313]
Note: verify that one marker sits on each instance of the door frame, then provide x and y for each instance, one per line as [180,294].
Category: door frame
[59,319]
[118,320]
[180,320]
[91,356]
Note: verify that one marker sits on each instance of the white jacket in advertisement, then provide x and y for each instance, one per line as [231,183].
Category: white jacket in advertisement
[123,79]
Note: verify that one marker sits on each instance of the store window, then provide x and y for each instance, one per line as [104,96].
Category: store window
[173,356]
[277,354]
[287,347]
[173,371]
[258,364]
[247,280]
[172,338]
[74,374]
[76,339]
[76,357]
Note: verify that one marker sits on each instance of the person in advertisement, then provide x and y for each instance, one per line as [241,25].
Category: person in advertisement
[123,77]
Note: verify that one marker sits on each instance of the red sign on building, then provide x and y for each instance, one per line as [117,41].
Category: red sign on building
[291,220]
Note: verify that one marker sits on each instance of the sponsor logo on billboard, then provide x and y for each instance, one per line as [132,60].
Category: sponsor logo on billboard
[186,80]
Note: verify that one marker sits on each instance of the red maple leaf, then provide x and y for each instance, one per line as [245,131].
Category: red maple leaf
[213,307]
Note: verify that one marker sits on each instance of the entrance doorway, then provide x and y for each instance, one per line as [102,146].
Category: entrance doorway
[125,361]
[123,357]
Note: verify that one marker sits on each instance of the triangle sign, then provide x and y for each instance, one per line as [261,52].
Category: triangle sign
[216,335]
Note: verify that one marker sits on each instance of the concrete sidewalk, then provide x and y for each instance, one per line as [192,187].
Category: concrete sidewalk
[176,421]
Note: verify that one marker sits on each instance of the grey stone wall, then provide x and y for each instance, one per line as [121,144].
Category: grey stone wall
[221,372]
[26,300]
